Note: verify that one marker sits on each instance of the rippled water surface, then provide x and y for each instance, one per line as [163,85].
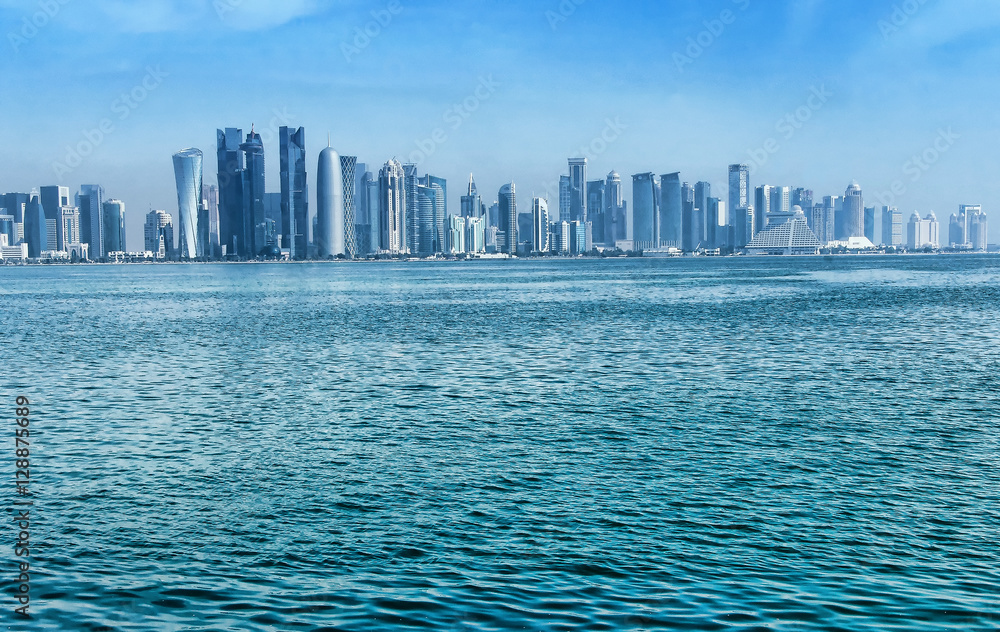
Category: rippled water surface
[797,444]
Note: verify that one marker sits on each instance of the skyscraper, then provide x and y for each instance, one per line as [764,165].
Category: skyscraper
[781,201]
[565,198]
[892,227]
[923,233]
[978,230]
[507,201]
[539,225]
[691,223]
[210,198]
[715,218]
[762,206]
[645,208]
[231,171]
[671,216]
[616,225]
[114,226]
[412,223]
[596,210]
[159,233]
[294,192]
[472,204]
[348,167]
[330,220]
[854,212]
[702,193]
[35,227]
[577,190]
[392,208]
[253,194]
[439,220]
[90,201]
[188,177]
[739,187]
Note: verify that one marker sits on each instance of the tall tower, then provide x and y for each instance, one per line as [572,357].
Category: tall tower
[671,211]
[90,200]
[854,212]
[348,170]
[253,196]
[230,190]
[508,218]
[615,219]
[330,241]
[539,225]
[645,209]
[114,226]
[188,175]
[392,208]
[577,190]
[294,193]
[472,204]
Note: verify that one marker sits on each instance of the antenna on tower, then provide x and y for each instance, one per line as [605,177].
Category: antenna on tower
[329,139]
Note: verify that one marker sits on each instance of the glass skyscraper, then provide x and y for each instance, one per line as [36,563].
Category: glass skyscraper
[645,208]
[90,201]
[253,195]
[671,211]
[188,176]
[114,226]
[472,204]
[854,209]
[294,193]
[577,190]
[508,218]
[231,235]
[392,208]
[348,169]
[539,225]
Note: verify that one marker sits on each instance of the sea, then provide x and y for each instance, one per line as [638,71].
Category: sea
[736,444]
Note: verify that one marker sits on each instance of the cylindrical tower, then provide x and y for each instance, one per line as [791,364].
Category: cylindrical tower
[330,205]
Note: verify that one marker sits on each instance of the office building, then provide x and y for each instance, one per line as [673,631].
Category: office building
[616,218]
[330,216]
[113,220]
[507,233]
[348,173]
[90,201]
[596,210]
[853,224]
[539,225]
[294,220]
[739,187]
[577,190]
[230,170]
[645,209]
[392,208]
[159,234]
[923,234]
[254,224]
[978,230]
[892,227]
[472,204]
[671,211]
[189,180]
[762,203]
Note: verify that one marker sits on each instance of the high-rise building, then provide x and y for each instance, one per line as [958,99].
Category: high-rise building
[507,201]
[330,218]
[438,225]
[854,210]
[253,195]
[802,198]
[539,225]
[741,225]
[475,235]
[294,182]
[781,201]
[892,227]
[35,226]
[578,190]
[565,198]
[114,226]
[159,234]
[645,209]
[923,233]
[702,193]
[978,230]
[472,204]
[715,219]
[690,224]
[762,204]
[348,171]
[671,215]
[426,200]
[616,224]
[596,209]
[412,224]
[392,208]
[189,180]
[739,187]
[210,198]
[231,170]
[869,223]
[90,201]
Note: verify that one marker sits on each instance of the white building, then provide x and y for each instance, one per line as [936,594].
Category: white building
[923,233]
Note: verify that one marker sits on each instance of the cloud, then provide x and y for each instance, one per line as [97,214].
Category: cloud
[158,16]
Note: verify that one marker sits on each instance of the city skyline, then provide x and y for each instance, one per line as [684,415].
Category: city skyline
[805,117]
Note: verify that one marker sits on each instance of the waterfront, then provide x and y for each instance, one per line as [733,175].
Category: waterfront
[705,444]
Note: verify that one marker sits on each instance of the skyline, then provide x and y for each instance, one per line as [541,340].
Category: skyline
[886,95]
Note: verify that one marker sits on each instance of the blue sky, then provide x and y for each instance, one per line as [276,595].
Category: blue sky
[899,80]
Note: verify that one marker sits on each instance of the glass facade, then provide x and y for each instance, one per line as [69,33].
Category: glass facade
[188,174]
